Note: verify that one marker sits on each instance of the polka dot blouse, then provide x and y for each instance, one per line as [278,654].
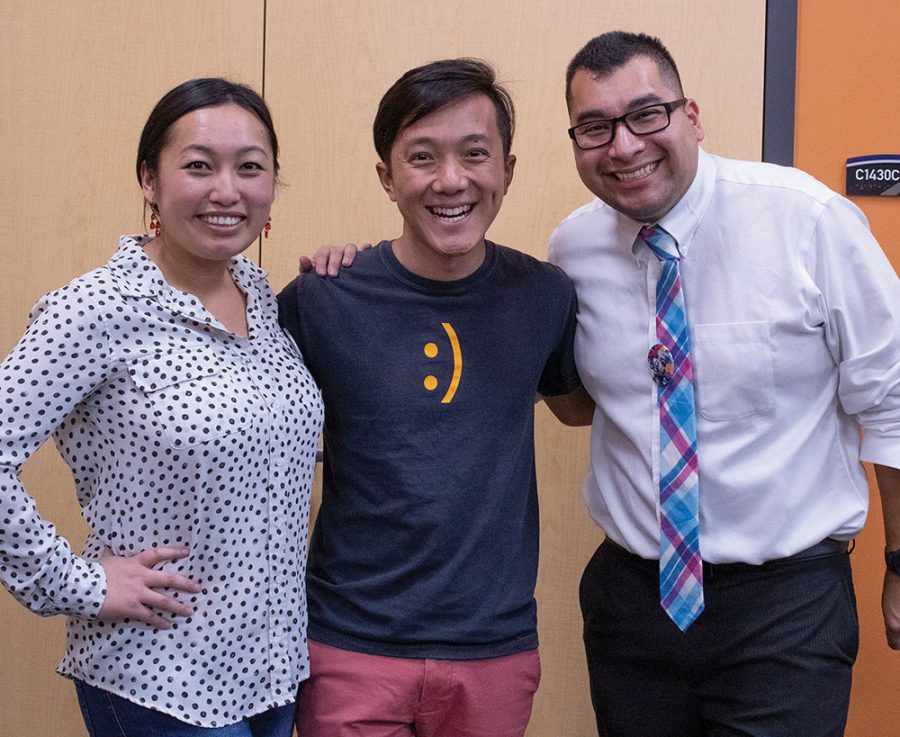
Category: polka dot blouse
[178,432]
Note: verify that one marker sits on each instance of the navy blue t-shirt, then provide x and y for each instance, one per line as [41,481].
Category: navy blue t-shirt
[426,543]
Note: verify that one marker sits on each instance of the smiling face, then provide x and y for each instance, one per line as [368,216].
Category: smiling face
[213,187]
[448,175]
[640,176]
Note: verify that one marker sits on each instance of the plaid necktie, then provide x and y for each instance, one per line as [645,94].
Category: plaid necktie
[680,567]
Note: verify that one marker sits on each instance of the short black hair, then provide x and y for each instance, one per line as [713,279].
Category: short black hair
[192,95]
[604,54]
[426,89]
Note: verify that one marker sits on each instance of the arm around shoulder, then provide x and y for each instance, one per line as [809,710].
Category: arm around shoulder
[575,409]
[329,260]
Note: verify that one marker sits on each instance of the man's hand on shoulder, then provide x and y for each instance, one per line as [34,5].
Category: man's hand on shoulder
[329,260]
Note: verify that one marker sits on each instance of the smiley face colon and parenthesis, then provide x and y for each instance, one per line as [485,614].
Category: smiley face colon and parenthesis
[431,351]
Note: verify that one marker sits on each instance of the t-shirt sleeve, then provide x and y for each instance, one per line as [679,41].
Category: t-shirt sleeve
[560,376]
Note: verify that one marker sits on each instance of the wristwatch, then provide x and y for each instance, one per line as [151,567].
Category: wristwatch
[892,560]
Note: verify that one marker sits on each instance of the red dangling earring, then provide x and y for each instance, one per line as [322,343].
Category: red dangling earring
[154,223]
[267,227]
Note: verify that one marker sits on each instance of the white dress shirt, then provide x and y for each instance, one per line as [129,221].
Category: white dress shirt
[794,317]
[178,432]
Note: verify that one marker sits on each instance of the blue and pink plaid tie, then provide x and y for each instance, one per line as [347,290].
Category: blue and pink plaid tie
[680,566]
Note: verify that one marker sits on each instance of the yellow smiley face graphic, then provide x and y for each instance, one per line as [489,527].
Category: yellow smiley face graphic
[431,351]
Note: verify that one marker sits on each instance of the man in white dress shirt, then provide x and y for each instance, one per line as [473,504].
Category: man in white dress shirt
[793,314]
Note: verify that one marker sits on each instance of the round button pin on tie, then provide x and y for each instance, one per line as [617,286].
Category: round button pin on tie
[662,367]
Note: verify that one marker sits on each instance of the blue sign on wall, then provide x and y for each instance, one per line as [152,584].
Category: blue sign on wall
[878,174]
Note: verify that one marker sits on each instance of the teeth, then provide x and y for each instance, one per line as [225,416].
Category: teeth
[627,176]
[451,212]
[220,219]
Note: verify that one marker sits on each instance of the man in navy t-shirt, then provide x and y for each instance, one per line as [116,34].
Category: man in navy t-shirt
[430,352]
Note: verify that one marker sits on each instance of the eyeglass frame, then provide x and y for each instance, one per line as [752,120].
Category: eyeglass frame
[669,107]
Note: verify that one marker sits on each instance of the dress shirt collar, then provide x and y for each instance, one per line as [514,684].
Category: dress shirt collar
[138,276]
[684,218]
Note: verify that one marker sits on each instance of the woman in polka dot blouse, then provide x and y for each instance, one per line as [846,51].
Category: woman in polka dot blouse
[190,424]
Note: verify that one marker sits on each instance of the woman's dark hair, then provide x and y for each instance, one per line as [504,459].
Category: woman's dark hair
[426,89]
[194,95]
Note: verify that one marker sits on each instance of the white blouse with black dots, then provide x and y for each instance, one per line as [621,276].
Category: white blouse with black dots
[177,431]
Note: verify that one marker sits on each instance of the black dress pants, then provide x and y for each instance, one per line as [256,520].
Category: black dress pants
[770,656]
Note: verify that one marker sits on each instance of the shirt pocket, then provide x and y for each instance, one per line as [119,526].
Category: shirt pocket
[734,370]
[194,398]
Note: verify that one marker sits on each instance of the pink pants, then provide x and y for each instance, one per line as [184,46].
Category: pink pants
[357,695]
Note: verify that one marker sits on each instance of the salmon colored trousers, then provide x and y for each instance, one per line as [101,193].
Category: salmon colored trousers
[353,694]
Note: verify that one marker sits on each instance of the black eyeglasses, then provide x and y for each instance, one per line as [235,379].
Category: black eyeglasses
[641,122]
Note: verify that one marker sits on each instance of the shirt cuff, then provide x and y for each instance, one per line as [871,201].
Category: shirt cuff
[881,449]
[84,591]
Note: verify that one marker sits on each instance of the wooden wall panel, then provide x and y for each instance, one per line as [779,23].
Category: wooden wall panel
[847,72]
[76,84]
[77,81]
[327,66]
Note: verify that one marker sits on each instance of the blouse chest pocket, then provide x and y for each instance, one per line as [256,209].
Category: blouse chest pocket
[734,374]
[194,398]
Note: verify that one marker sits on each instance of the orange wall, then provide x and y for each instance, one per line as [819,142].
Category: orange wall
[848,80]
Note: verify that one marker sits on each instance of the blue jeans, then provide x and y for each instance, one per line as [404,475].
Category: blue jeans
[108,715]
